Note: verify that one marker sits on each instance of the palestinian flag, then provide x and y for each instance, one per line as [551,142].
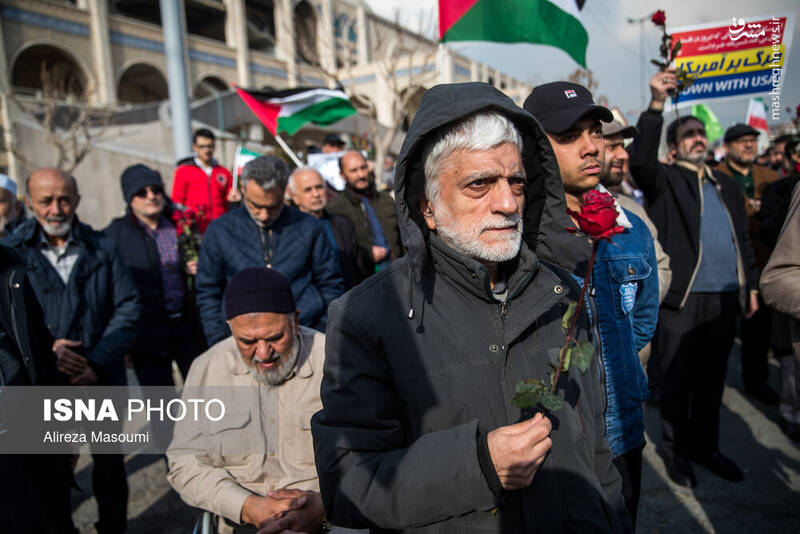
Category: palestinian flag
[550,22]
[757,114]
[243,157]
[288,110]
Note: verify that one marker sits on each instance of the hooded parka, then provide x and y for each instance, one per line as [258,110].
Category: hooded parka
[422,361]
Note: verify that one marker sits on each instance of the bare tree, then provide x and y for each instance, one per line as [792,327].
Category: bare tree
[403,60]
[71,126]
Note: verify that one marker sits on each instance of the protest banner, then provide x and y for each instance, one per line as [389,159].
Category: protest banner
[737,57]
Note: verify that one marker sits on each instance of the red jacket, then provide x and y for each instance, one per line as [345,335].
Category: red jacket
[193,188]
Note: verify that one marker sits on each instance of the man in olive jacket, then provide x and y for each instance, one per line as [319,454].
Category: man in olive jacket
[372,215]
[417,431]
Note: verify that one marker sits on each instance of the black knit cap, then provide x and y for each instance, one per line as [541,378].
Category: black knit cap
[137,177]
[258,290]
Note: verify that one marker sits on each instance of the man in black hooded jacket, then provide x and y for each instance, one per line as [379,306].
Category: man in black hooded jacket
[417,432]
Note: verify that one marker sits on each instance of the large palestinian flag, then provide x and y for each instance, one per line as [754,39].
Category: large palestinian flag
[551,22]
[288,110]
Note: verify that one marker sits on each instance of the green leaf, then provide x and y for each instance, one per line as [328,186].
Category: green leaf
[568,358]
[526,400]
[676,48]
[659,64]
[494,511]
[567,318]
[582,355]
[551,402]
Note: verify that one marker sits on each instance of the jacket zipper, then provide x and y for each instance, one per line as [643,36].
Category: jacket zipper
[267,251]
[599,347]
[699,248]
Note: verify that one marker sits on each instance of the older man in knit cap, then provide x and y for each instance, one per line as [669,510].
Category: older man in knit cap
[255,466]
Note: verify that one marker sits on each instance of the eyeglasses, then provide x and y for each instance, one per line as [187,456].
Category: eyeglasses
[155,190]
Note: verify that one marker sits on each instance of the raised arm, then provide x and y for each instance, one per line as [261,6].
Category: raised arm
[644,149]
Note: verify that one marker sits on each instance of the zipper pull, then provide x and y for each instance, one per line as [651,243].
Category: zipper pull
[504,310]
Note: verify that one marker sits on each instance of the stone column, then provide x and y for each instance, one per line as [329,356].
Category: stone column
[484,73]
[285,48]
[444,64]
[5,115]
[362,35]
[236,37]
[474,76]
[105,93]
[326,39]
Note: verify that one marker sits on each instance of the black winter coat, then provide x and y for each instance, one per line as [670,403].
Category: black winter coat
[99,306]
[422,362]
[673,201]
[140,255]
[26,357]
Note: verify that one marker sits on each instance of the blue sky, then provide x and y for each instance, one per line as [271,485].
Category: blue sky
[615,52]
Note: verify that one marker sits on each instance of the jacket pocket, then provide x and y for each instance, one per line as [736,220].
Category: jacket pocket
[625,275]
[299,444]
[232,442]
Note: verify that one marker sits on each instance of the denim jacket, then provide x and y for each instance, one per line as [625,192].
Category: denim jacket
[625,281]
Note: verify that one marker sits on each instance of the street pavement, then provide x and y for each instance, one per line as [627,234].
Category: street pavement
[767,501]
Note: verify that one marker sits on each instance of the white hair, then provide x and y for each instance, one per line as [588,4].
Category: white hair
[484,130]
[299,170]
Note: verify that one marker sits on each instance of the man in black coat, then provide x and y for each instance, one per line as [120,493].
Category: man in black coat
[417,431]
[34,489]
[702,225]
[148,244]
[307,190]
[90,305]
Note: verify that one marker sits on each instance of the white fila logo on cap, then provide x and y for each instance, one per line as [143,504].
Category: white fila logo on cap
[571,93]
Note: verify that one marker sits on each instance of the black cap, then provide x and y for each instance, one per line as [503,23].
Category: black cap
[559,105]
[258,290]
[333,139]
[739,130]
[137,177]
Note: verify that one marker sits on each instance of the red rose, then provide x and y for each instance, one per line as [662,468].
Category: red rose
[659,18]
[176,216]
[598,215]
[189,214]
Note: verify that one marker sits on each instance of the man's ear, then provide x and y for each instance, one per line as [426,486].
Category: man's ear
[425,208]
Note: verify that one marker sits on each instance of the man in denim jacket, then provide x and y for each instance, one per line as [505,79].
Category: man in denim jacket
[624,295]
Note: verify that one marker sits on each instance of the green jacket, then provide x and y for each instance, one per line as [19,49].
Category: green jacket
[348,204]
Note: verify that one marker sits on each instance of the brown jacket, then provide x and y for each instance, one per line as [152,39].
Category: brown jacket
[216,466]
[762,176]
[780,281]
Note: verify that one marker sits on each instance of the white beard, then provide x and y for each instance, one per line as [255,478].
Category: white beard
[467,240]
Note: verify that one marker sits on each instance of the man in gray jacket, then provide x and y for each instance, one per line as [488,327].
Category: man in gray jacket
[417,431]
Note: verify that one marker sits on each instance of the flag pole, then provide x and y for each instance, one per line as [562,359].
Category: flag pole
[288,150]
[236,167]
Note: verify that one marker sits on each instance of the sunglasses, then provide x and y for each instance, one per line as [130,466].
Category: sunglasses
[149,189]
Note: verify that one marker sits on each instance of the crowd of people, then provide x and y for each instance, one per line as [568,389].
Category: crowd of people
[375,340]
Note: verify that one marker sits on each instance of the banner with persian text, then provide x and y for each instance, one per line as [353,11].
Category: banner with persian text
[737,57]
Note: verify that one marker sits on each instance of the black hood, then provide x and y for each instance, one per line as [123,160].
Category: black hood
[545,216]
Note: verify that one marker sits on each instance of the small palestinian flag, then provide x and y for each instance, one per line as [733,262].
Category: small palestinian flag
[551,22]
[288,110]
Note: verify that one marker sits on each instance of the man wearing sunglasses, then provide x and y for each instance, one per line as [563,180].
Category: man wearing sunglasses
[702,225]
[148,244]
